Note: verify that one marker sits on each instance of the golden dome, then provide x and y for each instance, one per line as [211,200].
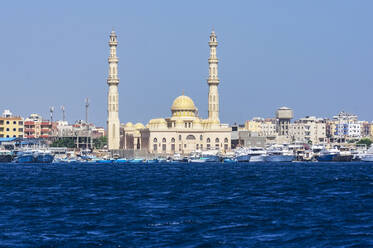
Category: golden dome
[129,124]
[139,126]
[183,103]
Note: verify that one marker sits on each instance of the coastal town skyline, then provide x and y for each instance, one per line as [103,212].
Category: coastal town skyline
[265,63]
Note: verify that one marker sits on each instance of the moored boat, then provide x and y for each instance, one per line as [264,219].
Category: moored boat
[6,156]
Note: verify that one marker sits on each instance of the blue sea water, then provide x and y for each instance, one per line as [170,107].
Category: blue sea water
[187,205]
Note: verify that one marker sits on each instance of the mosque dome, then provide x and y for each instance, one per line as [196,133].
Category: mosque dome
[183,106]
[139,126]
[129,124]
[183,103]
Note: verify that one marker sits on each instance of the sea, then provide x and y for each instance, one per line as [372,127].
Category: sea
[187,205]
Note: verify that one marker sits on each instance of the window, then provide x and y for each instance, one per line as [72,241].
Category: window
[164,148]
[14,136]
[14,122]
[184,145]
[208,146]
[201,137]
[226,147]
[173,140]
[173,147]
[217,145]
[226,140]
[14,129]
[208,140]
[1,122]
[7,122]
[7,129]
[20,129]
[217,140]
[197,146]
[180,147]
[155,140]
[155,147]
[186,125]
[179,137]
[164,140]
[20,123]
[190,137]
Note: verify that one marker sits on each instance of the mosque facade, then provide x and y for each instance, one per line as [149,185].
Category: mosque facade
[183,132]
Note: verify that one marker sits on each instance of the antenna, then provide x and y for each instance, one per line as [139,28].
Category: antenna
[51,110]
[86,109]
[63,112]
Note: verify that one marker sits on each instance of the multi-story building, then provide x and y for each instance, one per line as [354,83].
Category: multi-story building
[36,127]
[11,126]
[254,125]
[268,127]
[309,129]
[346,127]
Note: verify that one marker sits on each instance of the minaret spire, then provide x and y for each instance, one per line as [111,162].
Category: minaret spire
[213,81]
[113,95]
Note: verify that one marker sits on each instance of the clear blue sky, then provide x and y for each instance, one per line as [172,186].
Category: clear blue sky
[313,56]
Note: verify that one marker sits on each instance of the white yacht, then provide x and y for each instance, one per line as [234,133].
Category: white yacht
[257,154]
[279,153]
[368,157]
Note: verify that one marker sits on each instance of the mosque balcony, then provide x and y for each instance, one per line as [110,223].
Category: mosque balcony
[213,60]
[113,59]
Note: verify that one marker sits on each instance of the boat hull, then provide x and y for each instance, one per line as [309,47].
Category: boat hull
[367,158]
[258,158]
[6,158]
[279,158]
[44,158]
[243,158]
[26,159]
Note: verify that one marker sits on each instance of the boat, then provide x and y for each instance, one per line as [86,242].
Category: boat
[121,161]
[136,161]
[279,154]
[257,154]
[152,161]
[197,160]
[6,156]
[178,158]
[211,156]
[229,160]
[334,155]
[104,161]
[45,157]
[25,157]
[242,155]
[368,156]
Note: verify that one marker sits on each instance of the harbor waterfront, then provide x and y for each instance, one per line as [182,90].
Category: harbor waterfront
[178,205]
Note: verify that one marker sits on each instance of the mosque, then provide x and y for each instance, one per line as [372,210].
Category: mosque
[183,132]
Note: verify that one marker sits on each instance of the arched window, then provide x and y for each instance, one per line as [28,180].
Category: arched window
[200,137]
[208,140]
[190,137]
[173,140]
[179,137]
[164,140]
[155,140]
[226,140]
[217,140]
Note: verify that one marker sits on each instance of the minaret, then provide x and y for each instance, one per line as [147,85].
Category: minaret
[113,81]
[213,81]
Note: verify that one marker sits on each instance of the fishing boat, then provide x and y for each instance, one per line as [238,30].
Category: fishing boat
[45,157]
[6,156]
[25,157]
